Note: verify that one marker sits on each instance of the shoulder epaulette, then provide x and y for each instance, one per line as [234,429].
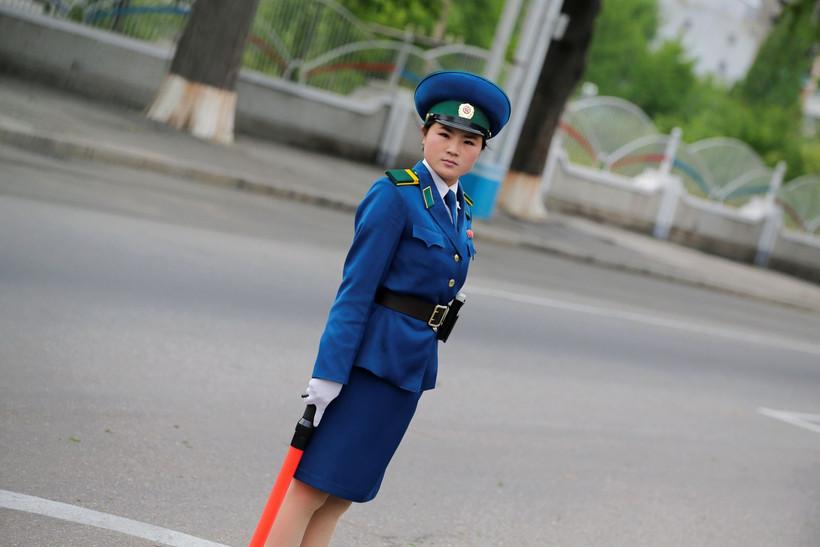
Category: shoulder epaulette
[468,200]
[402,177]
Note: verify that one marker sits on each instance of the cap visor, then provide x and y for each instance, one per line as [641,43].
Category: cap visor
[456,125]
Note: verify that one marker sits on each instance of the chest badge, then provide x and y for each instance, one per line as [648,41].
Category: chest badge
[427,194]
[469,234]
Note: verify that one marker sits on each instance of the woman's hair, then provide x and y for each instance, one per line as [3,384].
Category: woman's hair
[430,122]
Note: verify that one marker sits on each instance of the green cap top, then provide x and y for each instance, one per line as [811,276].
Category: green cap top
[461,115]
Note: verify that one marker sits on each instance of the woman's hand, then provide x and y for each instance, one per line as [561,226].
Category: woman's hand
[321,393]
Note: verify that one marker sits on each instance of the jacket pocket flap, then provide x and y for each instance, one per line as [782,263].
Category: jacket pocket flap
[429,237]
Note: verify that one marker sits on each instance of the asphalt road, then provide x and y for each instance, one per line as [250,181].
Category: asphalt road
[155,334]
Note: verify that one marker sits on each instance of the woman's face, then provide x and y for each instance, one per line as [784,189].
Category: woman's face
[450,152]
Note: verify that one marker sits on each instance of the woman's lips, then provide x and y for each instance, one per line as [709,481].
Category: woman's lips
[449,163]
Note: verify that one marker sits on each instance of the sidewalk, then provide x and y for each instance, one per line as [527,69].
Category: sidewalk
[50,121]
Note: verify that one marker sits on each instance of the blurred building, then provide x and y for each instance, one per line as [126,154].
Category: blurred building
[722,36]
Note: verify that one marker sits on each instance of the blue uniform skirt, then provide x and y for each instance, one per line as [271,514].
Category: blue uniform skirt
[357,437]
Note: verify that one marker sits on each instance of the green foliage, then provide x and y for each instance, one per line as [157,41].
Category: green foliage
[784,59]
[623,63]
[663,80]
[469,22]
[770,130]
[763,110]
[474,22]
[810,153]
[420,15]
[620,46]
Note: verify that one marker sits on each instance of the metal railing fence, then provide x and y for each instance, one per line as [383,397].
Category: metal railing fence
[317,43]
[150,20]
[321,44]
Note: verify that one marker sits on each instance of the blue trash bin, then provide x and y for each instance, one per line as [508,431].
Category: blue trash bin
[482,185]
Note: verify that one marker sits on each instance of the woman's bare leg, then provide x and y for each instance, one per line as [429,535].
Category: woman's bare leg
[298,508]
[323,523]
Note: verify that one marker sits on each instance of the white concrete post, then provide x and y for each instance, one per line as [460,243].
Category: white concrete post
[672,188]
[555,153]
[401,60]
[394,128]
[503,31]
[774,218]
[671,151]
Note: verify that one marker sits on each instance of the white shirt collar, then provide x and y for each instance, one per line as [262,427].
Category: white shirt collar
[441,186]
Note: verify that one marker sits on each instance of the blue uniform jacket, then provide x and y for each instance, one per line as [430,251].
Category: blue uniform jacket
[403,241]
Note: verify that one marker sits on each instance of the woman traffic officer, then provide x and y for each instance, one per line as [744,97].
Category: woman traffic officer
[409,258]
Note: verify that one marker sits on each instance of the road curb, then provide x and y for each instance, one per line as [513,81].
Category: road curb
[74,148]
[61,147]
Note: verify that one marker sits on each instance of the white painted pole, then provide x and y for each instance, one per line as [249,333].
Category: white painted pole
[401,60]
[393,132]
[524,96]
[774,218]
[394,128]
[671,189]
[671,151]
[521,61]
[501,40]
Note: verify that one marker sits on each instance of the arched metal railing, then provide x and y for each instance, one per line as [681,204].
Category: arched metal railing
[615,135]
[800,199]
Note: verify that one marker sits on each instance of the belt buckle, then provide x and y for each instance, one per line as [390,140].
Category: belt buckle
[438,315]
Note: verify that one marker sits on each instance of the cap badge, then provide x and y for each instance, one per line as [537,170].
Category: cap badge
[466,110]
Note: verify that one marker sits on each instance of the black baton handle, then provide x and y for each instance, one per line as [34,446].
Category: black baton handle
[304,428]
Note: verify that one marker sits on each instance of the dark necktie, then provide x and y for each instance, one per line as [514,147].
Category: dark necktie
[450,200]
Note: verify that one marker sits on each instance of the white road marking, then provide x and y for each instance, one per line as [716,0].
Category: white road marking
[81,515]
[800,419]
[654,320]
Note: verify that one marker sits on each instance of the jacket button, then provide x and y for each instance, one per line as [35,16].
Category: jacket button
[451,283]
[456,257]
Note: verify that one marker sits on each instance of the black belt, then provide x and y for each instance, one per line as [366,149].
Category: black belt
[432,314]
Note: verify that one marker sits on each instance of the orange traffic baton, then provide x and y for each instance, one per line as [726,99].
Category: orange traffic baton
[304,429]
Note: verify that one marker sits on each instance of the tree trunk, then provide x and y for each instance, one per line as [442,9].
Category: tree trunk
[563,68]
[198,94]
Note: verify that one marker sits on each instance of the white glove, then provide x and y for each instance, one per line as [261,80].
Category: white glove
[321,393]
